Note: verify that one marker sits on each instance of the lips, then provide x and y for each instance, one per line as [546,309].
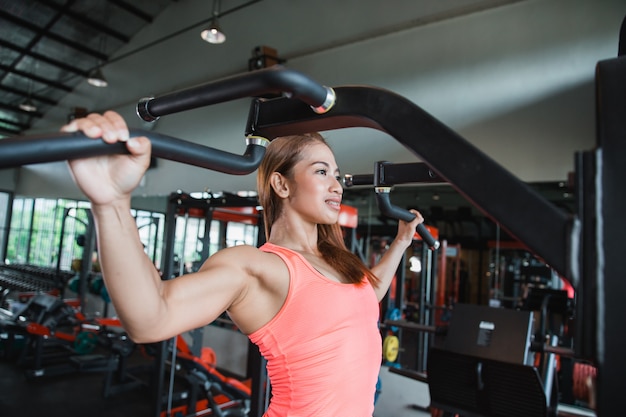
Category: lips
[334,203]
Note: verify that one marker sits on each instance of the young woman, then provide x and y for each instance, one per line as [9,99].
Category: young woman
[308,303]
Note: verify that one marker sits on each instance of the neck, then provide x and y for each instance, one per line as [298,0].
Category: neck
[301,238]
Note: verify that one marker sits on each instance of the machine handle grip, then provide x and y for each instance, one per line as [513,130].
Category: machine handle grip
[350,180]
[254,84]
[395,212]
[34,149]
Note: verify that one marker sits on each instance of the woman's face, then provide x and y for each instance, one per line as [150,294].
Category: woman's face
[315,188]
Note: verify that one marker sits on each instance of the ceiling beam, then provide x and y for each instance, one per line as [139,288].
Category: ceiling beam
[99,25]
[132,10]
[20,126]
[43,58]
[33,96]
[37,78]
[8,131]
[68,42]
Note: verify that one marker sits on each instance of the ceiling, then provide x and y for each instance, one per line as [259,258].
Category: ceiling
[50,46]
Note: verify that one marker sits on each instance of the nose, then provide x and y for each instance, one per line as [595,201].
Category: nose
[337,186]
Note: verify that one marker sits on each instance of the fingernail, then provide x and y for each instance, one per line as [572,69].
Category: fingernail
[123,134]
[132,143]
[108,135]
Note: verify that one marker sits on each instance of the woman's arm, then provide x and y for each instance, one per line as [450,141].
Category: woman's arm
[152,309]
[386,268]
[149,308]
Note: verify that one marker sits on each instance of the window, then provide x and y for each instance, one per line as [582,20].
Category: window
[5,215]
[51,232]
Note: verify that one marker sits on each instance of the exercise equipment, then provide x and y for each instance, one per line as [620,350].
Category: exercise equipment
[421,313]
[207,390]
[391,346]
[387,175]
[482,368]
[583,381]
[25,278]
[195,215]
[383,181]
[495,362]
[49,336]
[87,242]
[425,336]
[569,244]
[183,208]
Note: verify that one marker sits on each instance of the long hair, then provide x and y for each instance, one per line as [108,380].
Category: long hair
[281,156]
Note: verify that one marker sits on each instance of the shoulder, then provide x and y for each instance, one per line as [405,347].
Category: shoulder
[264,288]
[254,261]
[242,253]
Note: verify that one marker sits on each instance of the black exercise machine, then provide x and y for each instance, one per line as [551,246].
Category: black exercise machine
[584,249]
[207,390]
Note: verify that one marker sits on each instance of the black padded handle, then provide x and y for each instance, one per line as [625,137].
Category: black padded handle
[18,151]
[395,212]
[350,180]
[275,79]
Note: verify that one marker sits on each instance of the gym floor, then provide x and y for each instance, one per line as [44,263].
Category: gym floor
[68,395]
[81,393]
[72,393]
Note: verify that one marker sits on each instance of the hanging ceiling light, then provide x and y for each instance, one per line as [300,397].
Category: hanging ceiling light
[96,78]
[28,105]
[214,34]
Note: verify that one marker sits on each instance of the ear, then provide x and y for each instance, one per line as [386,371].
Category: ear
[279,184]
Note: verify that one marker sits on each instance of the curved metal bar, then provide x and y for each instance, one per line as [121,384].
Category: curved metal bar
[395,212]
[189,153]
[18,151]
[275,79]
[541,226]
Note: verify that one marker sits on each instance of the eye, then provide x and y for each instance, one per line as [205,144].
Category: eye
[322,171]
[339,179]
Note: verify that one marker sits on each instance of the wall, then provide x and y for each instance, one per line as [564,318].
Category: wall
[8,179]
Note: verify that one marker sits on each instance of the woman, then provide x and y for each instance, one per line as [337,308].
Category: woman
[308,303]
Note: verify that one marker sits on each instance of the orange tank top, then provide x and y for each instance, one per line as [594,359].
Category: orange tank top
[323,348]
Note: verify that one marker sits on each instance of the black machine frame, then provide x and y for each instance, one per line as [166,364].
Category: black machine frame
[179,201]
[583,248]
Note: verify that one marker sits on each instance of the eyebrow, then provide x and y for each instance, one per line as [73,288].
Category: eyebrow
[337,171]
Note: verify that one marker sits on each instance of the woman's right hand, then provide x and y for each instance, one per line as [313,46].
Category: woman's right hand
[109,178]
